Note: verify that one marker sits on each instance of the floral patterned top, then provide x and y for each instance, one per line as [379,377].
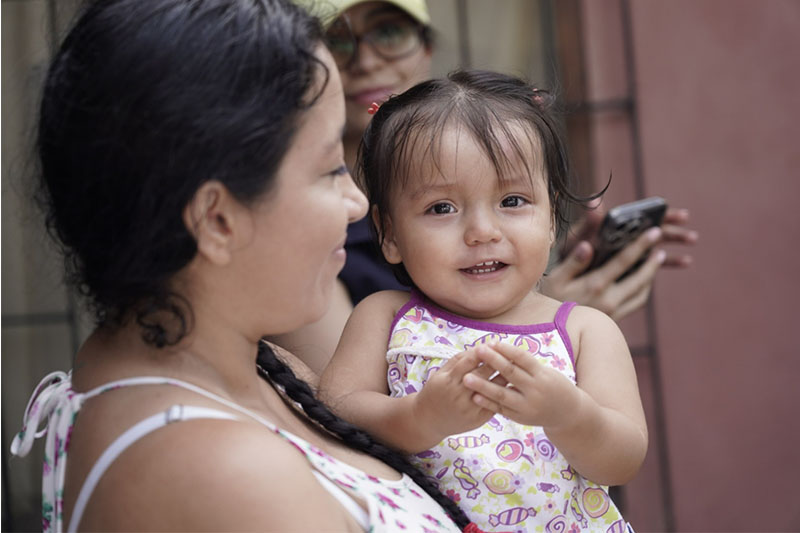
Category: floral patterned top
[399,505]
[504,475]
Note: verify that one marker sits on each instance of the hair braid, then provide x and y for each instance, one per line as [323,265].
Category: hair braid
[276,371]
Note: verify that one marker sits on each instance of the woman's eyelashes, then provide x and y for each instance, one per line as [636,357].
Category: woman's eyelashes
[341,170]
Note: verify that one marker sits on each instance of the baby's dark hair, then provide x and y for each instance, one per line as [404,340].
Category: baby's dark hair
[144,102]
[490,106]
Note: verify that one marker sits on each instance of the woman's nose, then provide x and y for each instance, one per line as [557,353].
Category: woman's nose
[482,227]
[356,201]
[365,58]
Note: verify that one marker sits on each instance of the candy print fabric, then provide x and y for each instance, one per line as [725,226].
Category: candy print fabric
[504,475]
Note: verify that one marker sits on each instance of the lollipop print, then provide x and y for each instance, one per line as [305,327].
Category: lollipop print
[401,337]
[511,450]
[394,373]
[500,481]
[595,502]
[557,524]
[545,450]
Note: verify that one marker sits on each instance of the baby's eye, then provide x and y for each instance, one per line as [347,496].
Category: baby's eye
[513,201]
[441,209]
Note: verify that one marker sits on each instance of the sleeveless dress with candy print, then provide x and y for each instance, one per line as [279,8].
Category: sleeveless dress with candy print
[504,475]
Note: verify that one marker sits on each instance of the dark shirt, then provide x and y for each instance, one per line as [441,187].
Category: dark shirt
[366,271]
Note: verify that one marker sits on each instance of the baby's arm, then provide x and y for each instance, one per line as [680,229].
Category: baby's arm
[354,384]
[598,426]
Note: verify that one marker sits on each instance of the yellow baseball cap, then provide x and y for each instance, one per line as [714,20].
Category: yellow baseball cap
[329,10]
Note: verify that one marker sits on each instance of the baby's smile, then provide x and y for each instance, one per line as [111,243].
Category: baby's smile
[484,268]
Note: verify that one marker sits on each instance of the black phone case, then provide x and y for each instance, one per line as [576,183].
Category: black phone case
[622,225]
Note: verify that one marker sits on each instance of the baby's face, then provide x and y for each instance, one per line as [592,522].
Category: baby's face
[474,242]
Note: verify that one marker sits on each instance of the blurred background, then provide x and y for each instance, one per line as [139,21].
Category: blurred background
[697,101]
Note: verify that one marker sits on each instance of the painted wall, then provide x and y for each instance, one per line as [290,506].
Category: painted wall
[717,105]
[716,93]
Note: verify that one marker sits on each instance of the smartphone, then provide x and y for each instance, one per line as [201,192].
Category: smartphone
[622,225]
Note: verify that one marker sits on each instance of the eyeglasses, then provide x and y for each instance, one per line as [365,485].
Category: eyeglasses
[391,39]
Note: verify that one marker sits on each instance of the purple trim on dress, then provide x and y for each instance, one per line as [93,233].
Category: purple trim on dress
[493,327]
[561,323]
[416,298]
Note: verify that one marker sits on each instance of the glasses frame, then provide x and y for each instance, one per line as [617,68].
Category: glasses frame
[419,28]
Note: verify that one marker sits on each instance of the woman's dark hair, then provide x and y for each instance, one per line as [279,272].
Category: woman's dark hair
[298,391]
[144,102]
[491,107]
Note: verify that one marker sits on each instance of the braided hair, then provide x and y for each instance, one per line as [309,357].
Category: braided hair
[278,373]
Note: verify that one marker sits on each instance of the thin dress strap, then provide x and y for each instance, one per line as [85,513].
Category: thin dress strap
[175,413]
[55,402]
[345,500]
[561,324]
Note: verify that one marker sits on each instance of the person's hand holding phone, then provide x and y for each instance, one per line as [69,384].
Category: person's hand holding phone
[600,288]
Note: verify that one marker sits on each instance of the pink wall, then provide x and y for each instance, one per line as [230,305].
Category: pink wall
[718,102]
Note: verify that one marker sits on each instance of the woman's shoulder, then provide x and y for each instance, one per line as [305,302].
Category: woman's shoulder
[208,474]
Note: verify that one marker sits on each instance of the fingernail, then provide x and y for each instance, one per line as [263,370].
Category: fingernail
[661,255]
[653,234]
[582,251]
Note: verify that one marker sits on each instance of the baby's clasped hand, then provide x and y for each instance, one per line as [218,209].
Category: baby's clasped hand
[445,405]
[525,390]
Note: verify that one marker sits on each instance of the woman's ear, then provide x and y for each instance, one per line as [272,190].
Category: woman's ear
[213,216]
[386,238]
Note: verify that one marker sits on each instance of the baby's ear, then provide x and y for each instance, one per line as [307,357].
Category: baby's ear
[386,237]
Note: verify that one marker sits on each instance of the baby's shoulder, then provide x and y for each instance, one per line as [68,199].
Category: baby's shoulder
[583,317]
[384,301]
[587,326]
